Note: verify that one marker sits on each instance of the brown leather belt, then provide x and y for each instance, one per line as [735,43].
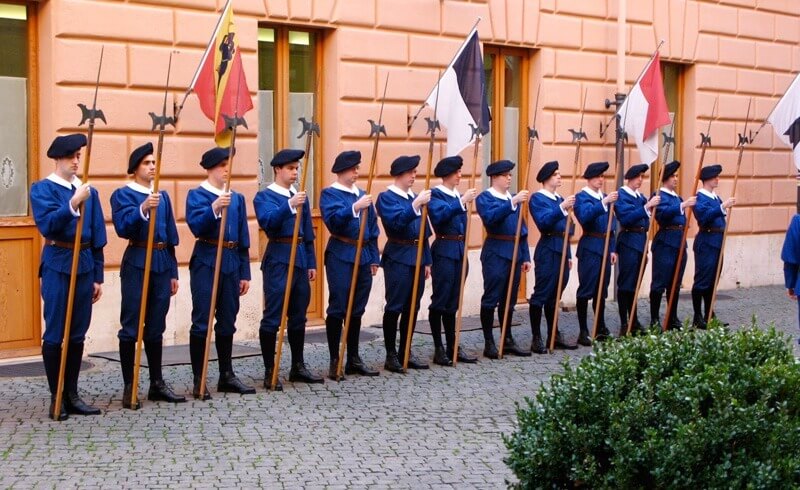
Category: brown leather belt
[156,245]
[400,241]
[637,229]
[454,238]
[347,240]
[594,234]
[712,230]
[673,228]
[505,238]
[553,234]
[225,244]
[68,245]
[286,239]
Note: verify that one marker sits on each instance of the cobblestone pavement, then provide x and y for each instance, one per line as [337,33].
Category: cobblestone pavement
[439,428]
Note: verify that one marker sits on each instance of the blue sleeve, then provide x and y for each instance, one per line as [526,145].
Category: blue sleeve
[586,210]
[790,254]
[51,216]
[629,212]
[244,240]
[373,232]
[493,211]
[125,213]
[199,215]
[390,212]
[544,215]
[172,235]
[706,211]
[308,237]
[99,238]
[269,214]
[612,242]
[442,211]
[668,209]
[336,213]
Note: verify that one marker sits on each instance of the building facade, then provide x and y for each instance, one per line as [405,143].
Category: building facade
[332,58]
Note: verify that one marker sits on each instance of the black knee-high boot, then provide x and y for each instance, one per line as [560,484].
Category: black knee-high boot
[439,354]
[487,323]
[72,400]
[127,354]
[390,341]
[333,330]
[159,389]
[625,304]
[197,347]
[51,357]
[354,363]
[299,372]
[582,305]
[707,295]
[535,313]
[268,341]
[228,381]
[655,308]
[602,329]
[699,320]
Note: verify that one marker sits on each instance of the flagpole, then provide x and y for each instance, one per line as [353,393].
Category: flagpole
[449,65]
[743,141]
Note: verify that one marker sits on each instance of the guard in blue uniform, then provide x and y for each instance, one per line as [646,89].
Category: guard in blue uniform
[591,211]
[499,211]
[790,255]
[400,213]
[276,208]
[633,212]
[448,214]
[131,208]
[671,218]
[710,213]
[55,202]
[549,211]
[204,215]
[342,205]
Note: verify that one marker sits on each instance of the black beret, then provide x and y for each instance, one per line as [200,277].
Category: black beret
[499,167]
[595,169]
[214,157]
[710,172]
[64,146]
[670,169]
[345,160]
[138,155]
[403,164]
[287,156]
[448,165]
[636,170]
[547,171]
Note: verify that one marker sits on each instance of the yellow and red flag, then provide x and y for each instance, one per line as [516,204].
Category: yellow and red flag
[220,81]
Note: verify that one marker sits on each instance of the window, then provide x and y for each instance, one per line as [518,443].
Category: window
[14,125]
[507,90]
[288,68]
[672,74]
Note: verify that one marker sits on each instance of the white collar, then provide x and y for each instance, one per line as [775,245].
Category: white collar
[279,189]
[495,193]
[139,188]
[630,191]
[712,195]
[594,194]
[453,193]
[351,190]
[671,193]
[548,194]
[63,183]
[400,192]
[210,188]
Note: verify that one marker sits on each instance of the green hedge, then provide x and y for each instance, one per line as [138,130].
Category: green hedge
[687,409]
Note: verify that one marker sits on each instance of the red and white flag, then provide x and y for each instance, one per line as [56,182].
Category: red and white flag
[219,82]
[645,110]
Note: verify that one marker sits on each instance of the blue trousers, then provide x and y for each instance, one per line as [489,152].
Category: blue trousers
[446,277]
[274,276]
[545,270]
[705,267]
[201,279]
[399,280]
[589,275]
[339,274]
[55,289]
[664,259]
[158,297]
[496,272]
[630,260]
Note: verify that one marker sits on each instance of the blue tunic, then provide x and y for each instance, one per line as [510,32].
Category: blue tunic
[634,222]
[667,242]
[790,255]
[398,260]
[551,221]
[708,242]
[336,205]
[276,218]
[130,224]
[593,218]
[449,219]
[500,222]
[204,225]
[56,221]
